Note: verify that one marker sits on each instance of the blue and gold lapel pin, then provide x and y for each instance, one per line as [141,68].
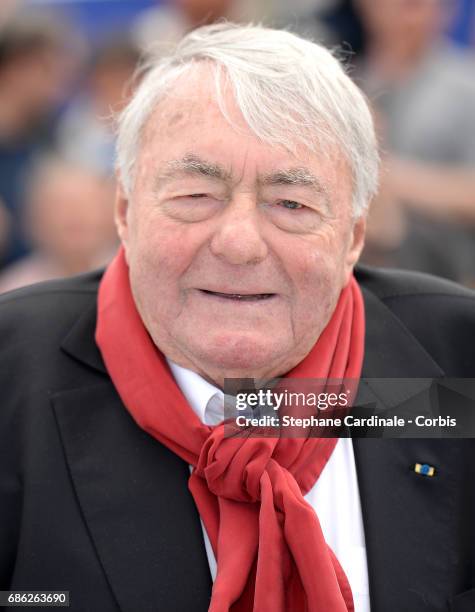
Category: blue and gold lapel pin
[424,469]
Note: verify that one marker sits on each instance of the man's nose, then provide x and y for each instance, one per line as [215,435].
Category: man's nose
[238,237]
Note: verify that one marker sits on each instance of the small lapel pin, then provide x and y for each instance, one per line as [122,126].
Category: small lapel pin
[424,469]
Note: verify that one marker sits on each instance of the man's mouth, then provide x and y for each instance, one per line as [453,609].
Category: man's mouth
[241,297]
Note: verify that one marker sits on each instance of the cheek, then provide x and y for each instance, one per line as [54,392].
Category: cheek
[154,241]
[318,279]
[318,262]
[319,288]
[154,263]
[160,253]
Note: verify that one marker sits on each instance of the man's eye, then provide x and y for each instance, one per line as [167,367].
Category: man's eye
[198,195]
[290,204]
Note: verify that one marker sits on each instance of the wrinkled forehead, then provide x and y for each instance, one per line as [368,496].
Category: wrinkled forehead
[196,101]
[192,98]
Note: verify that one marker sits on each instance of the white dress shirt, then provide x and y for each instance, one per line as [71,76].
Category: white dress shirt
[334,497]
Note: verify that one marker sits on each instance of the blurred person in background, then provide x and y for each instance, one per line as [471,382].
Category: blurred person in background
[171,20]
[330,22]
[68,217]
[423,89]
[338,23]
[85,132]
[7,8]
[35,69]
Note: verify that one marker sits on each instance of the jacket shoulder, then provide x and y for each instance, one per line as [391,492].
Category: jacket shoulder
[388,283]
[34,323]
[50,304]
[440,314]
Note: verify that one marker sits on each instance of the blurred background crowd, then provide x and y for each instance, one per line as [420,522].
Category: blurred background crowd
[67,66]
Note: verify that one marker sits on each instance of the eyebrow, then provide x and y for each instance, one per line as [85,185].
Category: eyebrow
[298,177]
[192,165]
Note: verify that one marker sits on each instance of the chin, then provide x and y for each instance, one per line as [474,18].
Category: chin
[241,355]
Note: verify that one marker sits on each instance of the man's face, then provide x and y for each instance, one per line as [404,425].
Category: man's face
[237,249]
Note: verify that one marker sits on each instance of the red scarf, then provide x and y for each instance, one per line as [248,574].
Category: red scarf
[268,543]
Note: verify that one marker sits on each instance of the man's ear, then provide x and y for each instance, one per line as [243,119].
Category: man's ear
[121,214]
[357,238]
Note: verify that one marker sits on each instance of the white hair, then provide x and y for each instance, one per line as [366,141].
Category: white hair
[289,90]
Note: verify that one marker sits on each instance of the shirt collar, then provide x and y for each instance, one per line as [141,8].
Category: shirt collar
[205,399]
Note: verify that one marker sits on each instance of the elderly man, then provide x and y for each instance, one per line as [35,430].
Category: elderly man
[246,162]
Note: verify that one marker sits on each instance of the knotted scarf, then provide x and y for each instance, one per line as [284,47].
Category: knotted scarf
[270,550]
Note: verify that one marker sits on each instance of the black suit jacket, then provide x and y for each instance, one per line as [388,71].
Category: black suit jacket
[92,504]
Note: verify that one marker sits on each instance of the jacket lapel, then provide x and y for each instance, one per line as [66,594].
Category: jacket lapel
[408,518]
[132,492]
